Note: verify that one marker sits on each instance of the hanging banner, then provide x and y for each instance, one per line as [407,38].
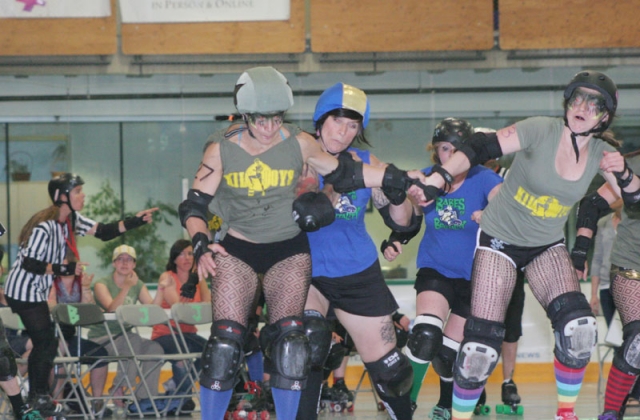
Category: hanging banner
[55,8]
[174,11]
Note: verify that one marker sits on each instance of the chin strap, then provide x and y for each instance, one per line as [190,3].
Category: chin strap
[574,140]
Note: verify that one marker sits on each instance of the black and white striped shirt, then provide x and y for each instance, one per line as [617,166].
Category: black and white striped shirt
[47,244]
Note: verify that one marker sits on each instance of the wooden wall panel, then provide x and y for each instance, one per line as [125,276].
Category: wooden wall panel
[38,37]
[547,24]
[342,26]
[218,38]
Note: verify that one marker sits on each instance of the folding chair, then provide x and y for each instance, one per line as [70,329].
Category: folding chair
[197,313]
[12,321]
[146,316]
[78,368]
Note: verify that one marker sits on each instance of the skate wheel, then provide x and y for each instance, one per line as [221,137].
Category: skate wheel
[350,409]
[381,406]
[337,408]
[499,409]
[252,415]
[482,410]
[519,410]
[228,416]
[264,415]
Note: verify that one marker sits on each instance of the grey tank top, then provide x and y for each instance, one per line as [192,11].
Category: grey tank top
[256,194]
[534,201]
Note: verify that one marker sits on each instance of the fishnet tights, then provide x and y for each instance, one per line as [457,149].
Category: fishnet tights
[492,282]
[236,285]
[551,274]
[626,296]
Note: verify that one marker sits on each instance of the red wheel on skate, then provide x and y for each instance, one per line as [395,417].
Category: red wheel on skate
[252,415]
[264,415]
[350,409]
[381,406]
[228,416]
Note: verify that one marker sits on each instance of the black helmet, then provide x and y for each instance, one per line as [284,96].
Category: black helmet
[599,81]
[452,130]
[63,184]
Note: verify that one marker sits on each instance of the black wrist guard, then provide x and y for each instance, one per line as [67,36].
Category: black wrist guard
[64,269]
[395,183]
[107,231]
[396,317]
[133,222]
[579,252]
[624,182]
[200,242]
[402,237]
[448,178]
[189,289]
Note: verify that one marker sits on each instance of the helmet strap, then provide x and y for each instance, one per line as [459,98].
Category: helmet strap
[574,140]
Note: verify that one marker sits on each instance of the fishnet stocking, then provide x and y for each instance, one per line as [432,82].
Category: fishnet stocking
[286,285]
[626,295]
[233,289]
[493,279]
[551,274]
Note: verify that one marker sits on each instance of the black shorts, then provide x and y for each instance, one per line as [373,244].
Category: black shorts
[513,318]
[261,257]
[457,291]
[364,293]
[519,256]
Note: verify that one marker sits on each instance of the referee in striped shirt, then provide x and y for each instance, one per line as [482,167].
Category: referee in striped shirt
[43,243]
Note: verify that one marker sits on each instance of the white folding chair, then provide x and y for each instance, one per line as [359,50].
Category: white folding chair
[146,316]
[197,313]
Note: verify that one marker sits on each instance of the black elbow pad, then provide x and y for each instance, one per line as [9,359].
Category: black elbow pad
[107,231]
[388,220]
[631,200]
[481,147]
[591,208]
[34,266]
[196,205]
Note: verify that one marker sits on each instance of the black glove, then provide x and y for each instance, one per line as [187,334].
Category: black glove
[312,211]
[188,290]
[200,242]
[64,269]
[579,252]
[133,222]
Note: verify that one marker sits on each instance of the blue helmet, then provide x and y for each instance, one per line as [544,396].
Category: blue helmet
[344,96]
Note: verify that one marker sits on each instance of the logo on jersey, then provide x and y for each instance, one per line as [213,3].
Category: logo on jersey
[259,177]
[545,207]
[449,211]
[345,209]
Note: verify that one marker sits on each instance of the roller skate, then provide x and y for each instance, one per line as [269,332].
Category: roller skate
[510,400]
[566,414]
[482,409]
[609,415]
[28,413]
[440,413]
[253,405]
[341,397]
[47,407]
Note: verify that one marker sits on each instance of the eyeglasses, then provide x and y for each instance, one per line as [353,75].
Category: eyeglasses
[124,260]
[186,254]
[596,103]
[262,121]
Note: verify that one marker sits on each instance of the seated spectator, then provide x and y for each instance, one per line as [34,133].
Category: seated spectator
[124,287]
[77,289]
[180,278]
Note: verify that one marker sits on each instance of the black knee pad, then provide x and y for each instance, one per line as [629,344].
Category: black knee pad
[446,358]
[336,355]
[425,338]
[479,352]
[286,345]
[575,329]
[8,367]
[318,331]
[223,356]
[627,357]
[392,375]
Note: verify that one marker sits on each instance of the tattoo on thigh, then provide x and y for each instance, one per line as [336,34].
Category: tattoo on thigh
[388,332]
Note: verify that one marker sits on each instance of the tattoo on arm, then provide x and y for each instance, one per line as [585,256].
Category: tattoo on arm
[204,165]
[378,198]
[508,131]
